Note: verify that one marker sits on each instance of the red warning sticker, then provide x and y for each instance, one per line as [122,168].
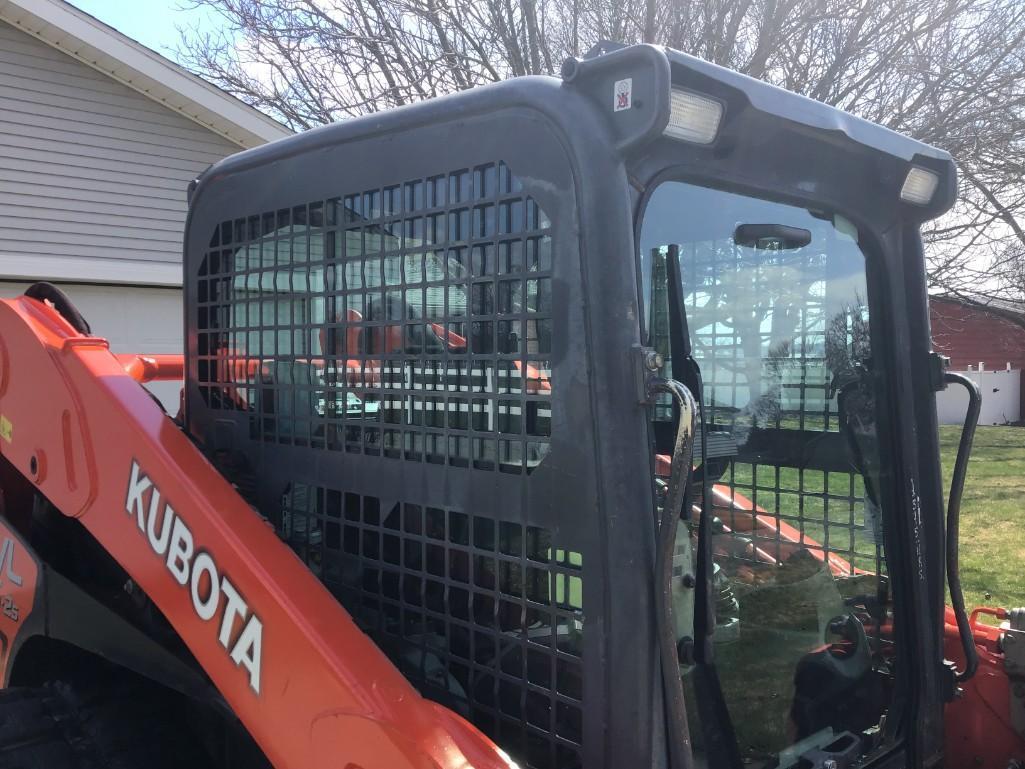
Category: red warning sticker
[622,94]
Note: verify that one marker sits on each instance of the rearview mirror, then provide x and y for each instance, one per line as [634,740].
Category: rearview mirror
[772,236]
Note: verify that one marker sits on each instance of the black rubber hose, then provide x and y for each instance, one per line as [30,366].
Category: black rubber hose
[680,756]
[964,450]
[47,292]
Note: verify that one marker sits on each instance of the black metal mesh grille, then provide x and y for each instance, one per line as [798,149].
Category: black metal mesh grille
[413,322]
[482,615]
[409,321]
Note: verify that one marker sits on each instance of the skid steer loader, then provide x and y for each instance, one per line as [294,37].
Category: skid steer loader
[559,424]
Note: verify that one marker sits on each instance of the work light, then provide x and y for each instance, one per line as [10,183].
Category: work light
[693,118]
[919,186]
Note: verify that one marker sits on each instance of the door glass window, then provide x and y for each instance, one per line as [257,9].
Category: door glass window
[776,308]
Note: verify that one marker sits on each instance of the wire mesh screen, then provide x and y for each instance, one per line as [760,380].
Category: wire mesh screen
[410,321]
[482,615]
[413,322]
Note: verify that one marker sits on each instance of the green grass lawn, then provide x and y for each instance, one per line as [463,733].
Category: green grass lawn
[992,515]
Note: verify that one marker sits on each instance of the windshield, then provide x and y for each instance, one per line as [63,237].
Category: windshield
[776,307]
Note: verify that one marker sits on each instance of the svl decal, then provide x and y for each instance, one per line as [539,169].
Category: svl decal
[7,563]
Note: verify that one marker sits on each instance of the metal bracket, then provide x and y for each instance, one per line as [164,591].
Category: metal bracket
[938,365]
[646,364]
[842,752]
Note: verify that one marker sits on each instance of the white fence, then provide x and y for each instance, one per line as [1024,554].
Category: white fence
[1001,397]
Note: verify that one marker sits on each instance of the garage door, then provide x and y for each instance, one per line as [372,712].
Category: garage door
[132,318]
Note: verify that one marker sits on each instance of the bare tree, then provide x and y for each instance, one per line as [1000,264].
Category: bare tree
[949,72]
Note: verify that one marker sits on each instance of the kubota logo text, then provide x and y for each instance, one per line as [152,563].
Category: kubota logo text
[171,539]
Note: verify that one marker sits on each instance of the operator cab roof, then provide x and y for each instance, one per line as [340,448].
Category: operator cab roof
[769,137]
[773,100]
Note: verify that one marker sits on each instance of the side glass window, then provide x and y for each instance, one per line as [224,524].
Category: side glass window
[777,313]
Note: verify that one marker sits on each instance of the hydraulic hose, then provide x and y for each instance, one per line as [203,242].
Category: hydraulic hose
[964,450]
[44,292]
[680,756]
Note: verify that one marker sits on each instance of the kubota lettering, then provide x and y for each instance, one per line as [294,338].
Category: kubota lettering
[159,544]
[196,569]
[247,650]
[180,552]
[137,486]
[234,609]
[206,609]
[154,505]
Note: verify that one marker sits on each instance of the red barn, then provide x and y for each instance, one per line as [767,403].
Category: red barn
[970,333]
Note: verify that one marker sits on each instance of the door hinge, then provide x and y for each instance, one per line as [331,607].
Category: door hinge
[646,364]
[938,365]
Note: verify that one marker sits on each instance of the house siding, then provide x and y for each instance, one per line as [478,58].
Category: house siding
[93,175]
[970,335]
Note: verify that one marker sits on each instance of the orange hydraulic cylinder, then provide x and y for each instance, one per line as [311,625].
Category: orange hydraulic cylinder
[153,368]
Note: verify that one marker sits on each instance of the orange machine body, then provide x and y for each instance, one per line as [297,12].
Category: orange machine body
[979,730]
[305,681]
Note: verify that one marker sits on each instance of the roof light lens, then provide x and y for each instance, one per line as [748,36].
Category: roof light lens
[693,118]
[919,186]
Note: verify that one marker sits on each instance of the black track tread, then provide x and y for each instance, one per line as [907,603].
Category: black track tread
[118,726]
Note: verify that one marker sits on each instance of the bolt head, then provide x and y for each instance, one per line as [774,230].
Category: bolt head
[653,361]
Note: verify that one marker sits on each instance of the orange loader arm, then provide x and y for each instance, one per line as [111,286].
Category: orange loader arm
[309,686]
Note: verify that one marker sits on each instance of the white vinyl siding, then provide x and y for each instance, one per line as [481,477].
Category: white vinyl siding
[132,318]
[93,174]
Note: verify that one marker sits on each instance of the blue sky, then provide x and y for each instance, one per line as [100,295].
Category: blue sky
[154,23]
